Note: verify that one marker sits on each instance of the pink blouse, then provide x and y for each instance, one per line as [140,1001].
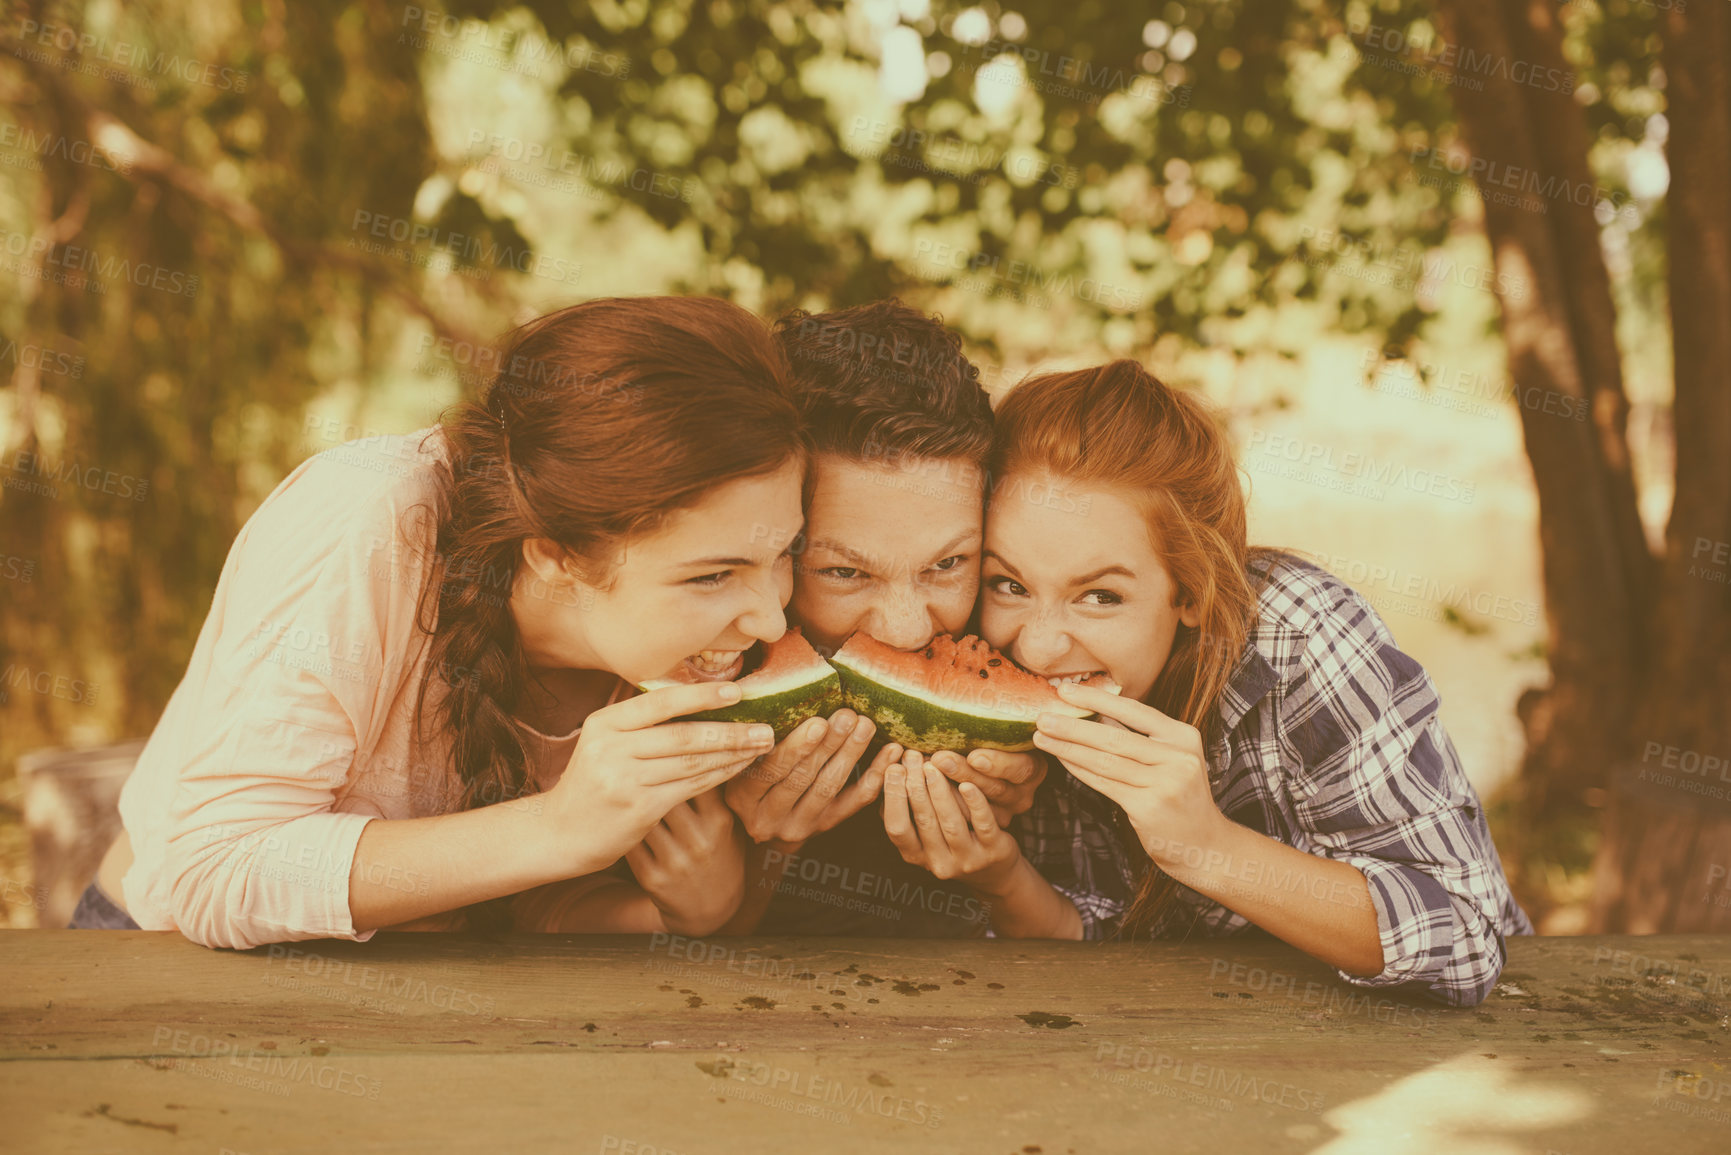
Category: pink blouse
[295,723]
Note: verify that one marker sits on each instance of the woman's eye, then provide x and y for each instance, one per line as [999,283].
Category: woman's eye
[709,579]
[1004,585]
[1105,598]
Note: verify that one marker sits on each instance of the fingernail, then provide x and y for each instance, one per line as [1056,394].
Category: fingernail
[761,735]
[843,724]
[730,692]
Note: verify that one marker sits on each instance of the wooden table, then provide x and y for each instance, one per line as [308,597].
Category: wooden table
[142,1041]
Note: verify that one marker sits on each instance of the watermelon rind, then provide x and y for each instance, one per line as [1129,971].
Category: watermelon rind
[781,703]
[925,722]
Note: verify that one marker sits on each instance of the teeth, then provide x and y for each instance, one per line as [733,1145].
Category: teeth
[715,660]
[1071,678]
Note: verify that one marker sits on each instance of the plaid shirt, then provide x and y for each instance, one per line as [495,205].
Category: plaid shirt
[1329,742]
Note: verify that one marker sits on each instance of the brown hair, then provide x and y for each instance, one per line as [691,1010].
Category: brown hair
[1118,426]
[882,382]
[599,421]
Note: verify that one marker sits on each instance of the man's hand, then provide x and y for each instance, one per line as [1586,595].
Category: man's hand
[1007,780]
[797,789]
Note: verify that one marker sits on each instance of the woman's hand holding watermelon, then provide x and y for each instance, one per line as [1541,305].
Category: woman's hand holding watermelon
[633,765]
[800,788]
[692,865]
[1151,765]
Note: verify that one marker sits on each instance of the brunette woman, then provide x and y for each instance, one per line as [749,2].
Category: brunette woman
[412,694]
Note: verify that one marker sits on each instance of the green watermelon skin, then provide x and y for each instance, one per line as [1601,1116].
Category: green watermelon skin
[920,725]
[781,712]
[947,712]
[807,686]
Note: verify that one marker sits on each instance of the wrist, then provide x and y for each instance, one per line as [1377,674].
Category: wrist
[1195,855]
[999,880]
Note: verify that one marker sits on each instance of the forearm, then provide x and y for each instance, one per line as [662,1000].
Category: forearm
[407,869]
[1320,906]
[764,863]
[1025,905]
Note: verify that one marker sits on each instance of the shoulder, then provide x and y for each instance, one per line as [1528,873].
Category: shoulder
[1337,664]
[360,490]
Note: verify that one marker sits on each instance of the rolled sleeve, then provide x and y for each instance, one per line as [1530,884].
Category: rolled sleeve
[1378,785]
[305,648]
[1429,936]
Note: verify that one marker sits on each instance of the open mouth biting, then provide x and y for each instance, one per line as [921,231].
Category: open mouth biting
[715,665]
[1075,679]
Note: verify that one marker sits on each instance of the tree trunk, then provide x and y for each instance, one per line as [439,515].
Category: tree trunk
[1664,861]
[1559,324]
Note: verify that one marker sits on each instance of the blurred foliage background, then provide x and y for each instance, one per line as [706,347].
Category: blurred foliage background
[237,232]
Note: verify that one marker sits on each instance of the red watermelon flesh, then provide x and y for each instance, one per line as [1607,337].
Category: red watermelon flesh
[956,694]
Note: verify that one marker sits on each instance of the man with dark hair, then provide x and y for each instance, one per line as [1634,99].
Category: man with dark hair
[893,532]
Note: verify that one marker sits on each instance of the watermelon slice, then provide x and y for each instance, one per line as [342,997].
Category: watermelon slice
[791,683]
[953,695]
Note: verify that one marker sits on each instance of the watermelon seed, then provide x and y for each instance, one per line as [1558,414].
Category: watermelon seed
[994,661]
[985,673]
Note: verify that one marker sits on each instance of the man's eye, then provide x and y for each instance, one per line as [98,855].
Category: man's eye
[950,563]
[1106,597]
[709,579]
[841,572]
[1004,585]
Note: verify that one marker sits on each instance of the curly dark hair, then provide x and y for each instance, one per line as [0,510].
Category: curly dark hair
[884,382]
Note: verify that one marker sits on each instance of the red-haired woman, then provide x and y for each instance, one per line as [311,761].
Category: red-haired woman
[1276,759]
[412,694]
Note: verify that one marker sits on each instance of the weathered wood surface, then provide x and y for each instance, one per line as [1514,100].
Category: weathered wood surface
[141,1041]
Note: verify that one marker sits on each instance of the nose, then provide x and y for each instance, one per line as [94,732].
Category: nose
[902,619]
[764,619]
[1040,644]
